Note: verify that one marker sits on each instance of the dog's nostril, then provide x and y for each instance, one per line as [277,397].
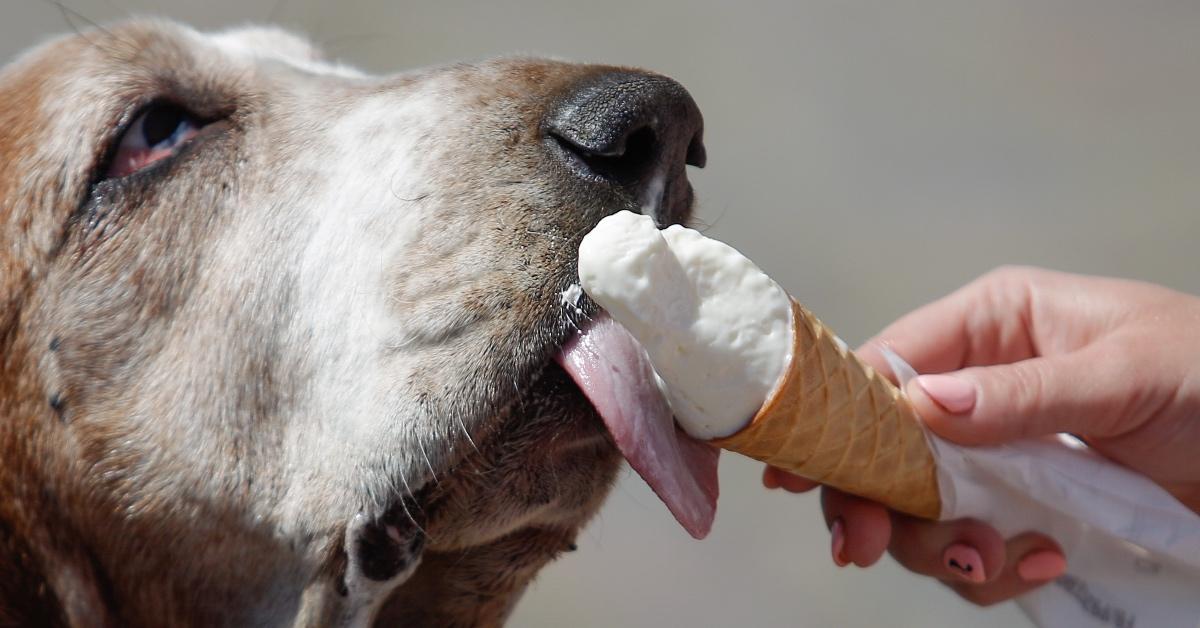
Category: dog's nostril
[696,155]
[634,130]
[625,162]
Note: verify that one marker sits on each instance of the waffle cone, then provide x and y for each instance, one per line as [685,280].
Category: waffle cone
[834,420]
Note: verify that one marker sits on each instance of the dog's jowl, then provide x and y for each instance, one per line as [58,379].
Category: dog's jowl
[277,336]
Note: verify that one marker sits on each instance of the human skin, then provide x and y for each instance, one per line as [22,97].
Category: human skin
[1020,353]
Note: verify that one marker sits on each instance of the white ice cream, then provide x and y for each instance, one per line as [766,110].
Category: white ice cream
[717,329]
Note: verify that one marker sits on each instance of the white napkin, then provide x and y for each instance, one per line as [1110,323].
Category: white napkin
[1133,551]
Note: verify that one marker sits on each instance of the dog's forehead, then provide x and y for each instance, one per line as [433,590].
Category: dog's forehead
[252,44]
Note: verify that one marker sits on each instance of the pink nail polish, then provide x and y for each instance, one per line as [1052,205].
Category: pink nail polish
[1041,565]
[964,561]
[838,530]
[955,395]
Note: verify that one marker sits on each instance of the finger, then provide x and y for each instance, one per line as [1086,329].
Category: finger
[964,550]
[1086,392]
[861,528]
[988,321]
[938,336]
[1033,560]
[774,477]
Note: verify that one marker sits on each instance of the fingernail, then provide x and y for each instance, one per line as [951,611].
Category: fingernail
[839,543]
[1041,565]
[963,561]
[953,394]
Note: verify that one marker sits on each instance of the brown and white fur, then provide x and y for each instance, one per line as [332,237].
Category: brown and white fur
[298,373]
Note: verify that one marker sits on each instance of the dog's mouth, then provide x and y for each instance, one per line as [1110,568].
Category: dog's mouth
[535,478]
[597,391]
[541,455]
[612,370]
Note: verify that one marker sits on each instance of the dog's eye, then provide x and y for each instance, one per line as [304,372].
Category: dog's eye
[155,134]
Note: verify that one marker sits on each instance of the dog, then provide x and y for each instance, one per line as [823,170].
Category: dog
[278,336]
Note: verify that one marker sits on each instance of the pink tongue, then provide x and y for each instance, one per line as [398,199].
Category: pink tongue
[615,374]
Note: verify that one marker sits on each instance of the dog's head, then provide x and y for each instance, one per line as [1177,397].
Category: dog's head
[278,336]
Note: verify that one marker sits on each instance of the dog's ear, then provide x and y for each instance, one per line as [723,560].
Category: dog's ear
[26,596]
[11,128]
[40,179]
[19,108]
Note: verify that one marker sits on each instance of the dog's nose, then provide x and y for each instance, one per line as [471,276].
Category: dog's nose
[633,130]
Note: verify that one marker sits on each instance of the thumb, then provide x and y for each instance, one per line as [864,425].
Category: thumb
[1077,392]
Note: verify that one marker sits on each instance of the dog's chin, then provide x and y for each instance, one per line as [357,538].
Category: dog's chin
[513,502]
[546,462]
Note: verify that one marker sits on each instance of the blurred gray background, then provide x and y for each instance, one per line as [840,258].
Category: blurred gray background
[871,156]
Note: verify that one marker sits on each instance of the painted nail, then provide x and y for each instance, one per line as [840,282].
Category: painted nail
[1041,565]
[839,543]
[964,561]
[954,395]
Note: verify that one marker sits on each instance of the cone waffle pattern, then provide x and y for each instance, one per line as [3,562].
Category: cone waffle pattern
[835,420]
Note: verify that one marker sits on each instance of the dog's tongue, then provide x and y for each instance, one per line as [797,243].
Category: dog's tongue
[615,374]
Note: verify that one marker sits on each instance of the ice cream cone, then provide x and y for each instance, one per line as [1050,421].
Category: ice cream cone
[835,420]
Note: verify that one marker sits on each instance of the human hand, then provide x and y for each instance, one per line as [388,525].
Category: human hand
[1021,353]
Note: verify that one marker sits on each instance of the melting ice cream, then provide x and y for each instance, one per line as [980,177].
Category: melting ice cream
[701,338]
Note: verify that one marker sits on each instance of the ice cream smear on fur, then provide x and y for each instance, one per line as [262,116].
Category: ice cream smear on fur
[692,341]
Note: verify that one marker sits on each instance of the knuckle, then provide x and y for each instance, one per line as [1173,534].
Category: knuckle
[1002,289]
[1018,394]
[1029,386]
[1011,273]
